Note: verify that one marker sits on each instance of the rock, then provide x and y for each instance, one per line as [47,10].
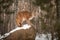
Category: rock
[24,34]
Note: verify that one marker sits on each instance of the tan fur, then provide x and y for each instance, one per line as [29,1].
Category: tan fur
[23,16]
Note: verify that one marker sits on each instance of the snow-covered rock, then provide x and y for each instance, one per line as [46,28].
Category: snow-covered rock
[43,37]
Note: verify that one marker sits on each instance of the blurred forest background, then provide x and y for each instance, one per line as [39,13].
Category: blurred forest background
[46,21]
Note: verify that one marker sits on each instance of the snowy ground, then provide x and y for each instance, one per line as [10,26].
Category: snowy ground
[26,26]
[43,37]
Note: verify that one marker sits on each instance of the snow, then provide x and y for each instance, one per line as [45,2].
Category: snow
[43,37]
[25,26]
[40,37]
